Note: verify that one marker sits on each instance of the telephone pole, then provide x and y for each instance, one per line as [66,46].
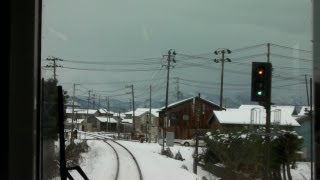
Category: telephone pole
[73,95]
[53,65]
[305,76]
[195,158]
[133,115]
[88,107]
[99,101]
[222,51]
[93,101]
[108,116]
[178,90]
[170,57]
[149,118]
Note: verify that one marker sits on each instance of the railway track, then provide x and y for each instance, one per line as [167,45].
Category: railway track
[125,167]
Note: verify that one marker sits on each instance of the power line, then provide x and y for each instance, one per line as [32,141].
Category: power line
[286,47]
[111,63]
[111,70]
[248,47]
[293,58]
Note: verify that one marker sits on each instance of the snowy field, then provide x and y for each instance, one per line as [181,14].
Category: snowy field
[100,163]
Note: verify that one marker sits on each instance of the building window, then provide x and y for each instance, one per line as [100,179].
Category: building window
[185,117]
[173,119]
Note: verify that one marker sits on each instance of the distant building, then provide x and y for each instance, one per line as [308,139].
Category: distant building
[82,113]
[142,123]
[105,112]
[96,124]
[183,116]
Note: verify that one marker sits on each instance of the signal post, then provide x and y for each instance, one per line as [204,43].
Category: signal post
[261,92]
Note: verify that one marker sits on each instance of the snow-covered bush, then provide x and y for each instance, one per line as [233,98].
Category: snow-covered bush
[73,153]
[167,152]
[178,156]
[245,152]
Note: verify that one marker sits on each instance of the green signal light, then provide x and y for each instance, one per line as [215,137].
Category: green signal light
[259,93]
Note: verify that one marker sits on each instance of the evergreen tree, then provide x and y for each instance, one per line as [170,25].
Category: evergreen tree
[50,127]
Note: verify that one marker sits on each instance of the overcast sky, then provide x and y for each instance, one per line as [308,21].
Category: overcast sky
[134,34]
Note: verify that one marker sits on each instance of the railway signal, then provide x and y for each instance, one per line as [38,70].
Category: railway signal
[261,82]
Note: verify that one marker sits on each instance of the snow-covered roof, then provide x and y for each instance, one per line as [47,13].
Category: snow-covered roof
[122,115]
[303,110]
[78,121]
[70,103]
[105,119]
[129,112]
[126,121]
[105,111]
[81,111]
[242,115]
[140,111]
[185,100]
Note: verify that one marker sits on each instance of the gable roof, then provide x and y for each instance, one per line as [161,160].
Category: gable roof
[281,115]
[186,100]
[105,111]
[129,121]
[105,119]
[140,111]
[81,111]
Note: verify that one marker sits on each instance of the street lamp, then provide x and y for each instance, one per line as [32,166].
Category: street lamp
[222,60]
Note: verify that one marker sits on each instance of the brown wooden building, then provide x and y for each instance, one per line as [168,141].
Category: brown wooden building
[183,116]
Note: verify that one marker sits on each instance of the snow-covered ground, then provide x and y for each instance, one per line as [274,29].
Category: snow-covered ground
[100,163]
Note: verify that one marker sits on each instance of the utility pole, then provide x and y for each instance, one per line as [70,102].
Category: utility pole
[149,120]
[53,65]
[88,107]
[222,60]
[119,125]
[178,90]
[73,95]
[129,104]
[99,101]
[133,115]
[133,110]
[170,57]
[108,116]
[195,158]
[305,76]
[108,103]
[93,101]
